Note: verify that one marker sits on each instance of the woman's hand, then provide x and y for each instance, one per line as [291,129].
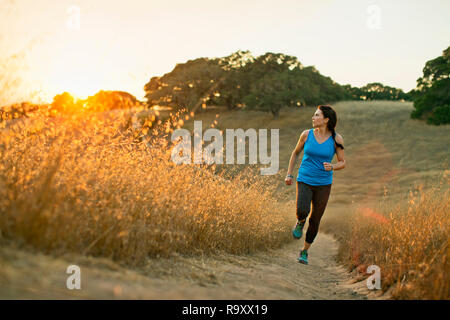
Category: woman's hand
[328,166]
[288,180]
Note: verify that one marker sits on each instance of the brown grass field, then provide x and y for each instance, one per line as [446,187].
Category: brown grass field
[89,185]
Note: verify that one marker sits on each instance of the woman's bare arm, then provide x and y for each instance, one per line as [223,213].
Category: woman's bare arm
[298,149]
[340,154]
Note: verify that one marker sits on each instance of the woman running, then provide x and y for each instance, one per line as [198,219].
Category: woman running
[315,174]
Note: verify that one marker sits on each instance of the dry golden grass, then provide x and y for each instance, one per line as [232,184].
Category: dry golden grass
[408,240]
[87,183]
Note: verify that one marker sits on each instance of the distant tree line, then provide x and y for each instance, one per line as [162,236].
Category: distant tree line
[266,82]
[66,103]
[101,101]
[432,94]
[377,91]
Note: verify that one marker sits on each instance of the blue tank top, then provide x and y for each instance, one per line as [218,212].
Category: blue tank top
[311,170]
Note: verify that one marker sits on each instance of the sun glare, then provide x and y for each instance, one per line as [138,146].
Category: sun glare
[78,68]
[76,79]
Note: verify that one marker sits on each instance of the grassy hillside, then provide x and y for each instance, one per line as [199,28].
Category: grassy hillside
[87,185]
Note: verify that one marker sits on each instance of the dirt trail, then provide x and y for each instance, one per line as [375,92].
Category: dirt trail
[271,275]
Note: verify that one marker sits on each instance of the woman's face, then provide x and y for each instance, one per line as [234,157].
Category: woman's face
[318,119]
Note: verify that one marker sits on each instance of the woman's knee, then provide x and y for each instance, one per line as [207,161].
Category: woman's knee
[304,197]
[302,212]
[303,209]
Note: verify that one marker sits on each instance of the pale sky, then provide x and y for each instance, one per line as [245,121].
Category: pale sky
[120,45]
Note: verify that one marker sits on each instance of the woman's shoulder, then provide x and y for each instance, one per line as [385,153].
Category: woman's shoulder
[339,138]
[304,134]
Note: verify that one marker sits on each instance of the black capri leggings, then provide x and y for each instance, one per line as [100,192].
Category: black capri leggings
[319,196]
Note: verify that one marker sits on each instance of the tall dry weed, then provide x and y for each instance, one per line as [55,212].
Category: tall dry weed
[408,240]
[89,183]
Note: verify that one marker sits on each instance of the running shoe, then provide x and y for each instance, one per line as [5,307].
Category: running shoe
[298,230]
[303,258]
